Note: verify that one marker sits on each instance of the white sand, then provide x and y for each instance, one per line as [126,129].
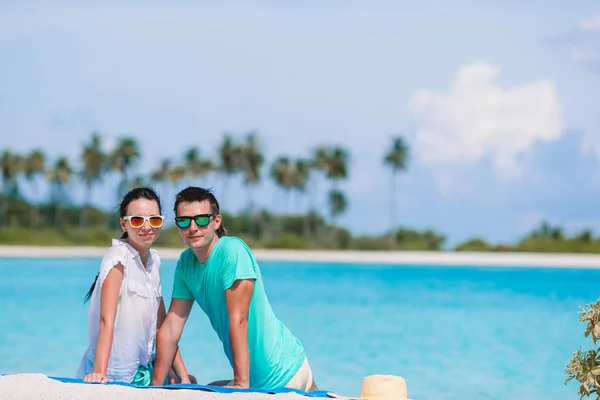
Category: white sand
[378,257]
[40,387]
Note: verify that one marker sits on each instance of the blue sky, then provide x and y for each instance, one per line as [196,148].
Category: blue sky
[497,100]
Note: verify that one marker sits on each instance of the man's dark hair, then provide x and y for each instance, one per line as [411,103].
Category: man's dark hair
[192,194]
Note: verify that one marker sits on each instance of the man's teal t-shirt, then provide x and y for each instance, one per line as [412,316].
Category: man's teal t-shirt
[275,354]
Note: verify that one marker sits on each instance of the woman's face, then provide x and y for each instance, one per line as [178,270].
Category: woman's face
[141,237]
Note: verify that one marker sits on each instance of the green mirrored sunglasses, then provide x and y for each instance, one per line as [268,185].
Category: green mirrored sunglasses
[200,220]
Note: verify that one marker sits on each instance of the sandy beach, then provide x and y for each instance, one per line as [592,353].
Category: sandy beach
[38,386]
[440,258]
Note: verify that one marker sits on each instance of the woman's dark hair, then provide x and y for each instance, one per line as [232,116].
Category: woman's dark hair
[192,194]
[135,194]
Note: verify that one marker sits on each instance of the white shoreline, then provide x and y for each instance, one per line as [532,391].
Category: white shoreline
[437,258]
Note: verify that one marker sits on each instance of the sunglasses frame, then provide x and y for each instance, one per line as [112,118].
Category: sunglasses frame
[193,218]
[146,219]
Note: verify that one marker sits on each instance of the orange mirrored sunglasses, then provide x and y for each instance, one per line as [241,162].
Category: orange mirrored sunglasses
[137,221]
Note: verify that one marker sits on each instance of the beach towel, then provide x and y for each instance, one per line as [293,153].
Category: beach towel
[191,386]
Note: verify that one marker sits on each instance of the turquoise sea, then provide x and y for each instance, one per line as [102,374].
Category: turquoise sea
[452,332]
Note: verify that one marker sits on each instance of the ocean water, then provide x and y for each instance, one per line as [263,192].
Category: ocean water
[452,332]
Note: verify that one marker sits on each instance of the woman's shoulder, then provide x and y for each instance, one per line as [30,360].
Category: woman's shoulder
[155,254]
[117,253]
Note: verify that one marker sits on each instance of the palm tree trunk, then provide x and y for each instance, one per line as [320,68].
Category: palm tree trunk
[4,211]
[393,211]
[35,211]
[223,200]
[86,204]
[250,198]
[316,192]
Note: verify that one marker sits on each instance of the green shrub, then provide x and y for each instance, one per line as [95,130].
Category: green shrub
[584,366]
[475,244]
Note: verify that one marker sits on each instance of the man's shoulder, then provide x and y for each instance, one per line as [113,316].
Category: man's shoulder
[234,244]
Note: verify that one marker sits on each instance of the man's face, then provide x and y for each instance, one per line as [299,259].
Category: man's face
[197,236]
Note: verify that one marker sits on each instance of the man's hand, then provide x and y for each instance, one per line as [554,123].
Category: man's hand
[239,386]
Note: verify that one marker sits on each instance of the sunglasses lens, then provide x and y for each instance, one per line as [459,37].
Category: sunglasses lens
[156,222]
[183,222]
[136,222]
[202,220]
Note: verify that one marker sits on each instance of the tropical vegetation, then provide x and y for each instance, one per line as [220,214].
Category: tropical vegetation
[50,216]
[584,366]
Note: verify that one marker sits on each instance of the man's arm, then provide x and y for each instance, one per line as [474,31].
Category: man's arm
[178,364]
[167,338]
[238,298]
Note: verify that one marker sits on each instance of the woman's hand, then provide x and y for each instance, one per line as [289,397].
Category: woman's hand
[95,377]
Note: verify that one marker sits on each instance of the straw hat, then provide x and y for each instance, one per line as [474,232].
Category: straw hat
[380,387]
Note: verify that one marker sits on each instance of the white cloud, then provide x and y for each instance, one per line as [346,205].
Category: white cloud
[585,41]
[478,119]
[583,53]
[589,24]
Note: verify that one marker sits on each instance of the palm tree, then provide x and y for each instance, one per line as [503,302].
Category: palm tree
[300,177]
[290,175]
[281,173]
[136,182]
[337,204]
[162,175]
[122,159]
[59,177]
[35,164]
[336,169]
[95,164]
[176,175]
[318,164]
[336,165]
[547,231]
[11,166]
[168,176]
[197,166]
[397,159]
[252,162]
[230,161]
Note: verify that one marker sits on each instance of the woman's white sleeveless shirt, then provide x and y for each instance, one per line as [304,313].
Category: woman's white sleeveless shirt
[136,318]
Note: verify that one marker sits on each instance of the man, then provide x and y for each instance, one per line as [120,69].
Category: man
[220,273]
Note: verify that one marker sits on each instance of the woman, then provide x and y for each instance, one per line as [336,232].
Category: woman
[126,306]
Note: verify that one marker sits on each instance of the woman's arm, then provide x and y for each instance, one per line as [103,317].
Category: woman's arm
[108,308]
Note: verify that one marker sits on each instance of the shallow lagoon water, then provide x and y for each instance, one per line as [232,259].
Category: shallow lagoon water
[452,332]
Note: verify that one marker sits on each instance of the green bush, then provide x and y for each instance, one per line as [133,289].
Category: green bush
[475,244]
[286,241]
[370,243]
[584,366]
